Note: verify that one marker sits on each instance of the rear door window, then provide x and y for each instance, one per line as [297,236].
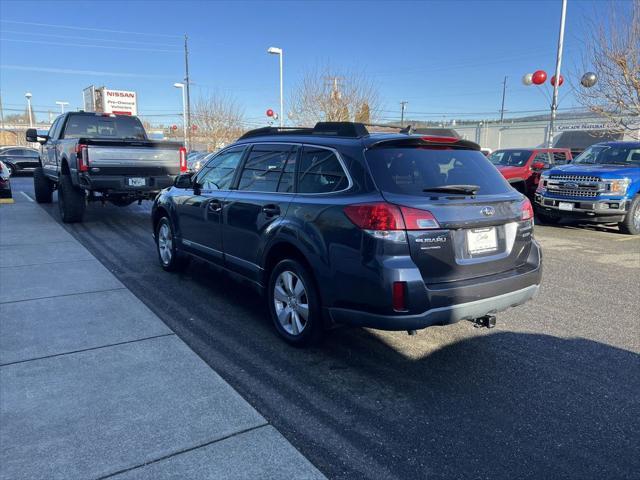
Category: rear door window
[411,170]
[559,158]
[510,158]
[320,171]
[544,158]
[269,168]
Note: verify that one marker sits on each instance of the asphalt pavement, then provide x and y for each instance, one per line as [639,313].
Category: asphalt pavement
[552,392]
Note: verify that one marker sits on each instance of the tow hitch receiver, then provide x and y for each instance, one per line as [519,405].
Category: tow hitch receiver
[488,321]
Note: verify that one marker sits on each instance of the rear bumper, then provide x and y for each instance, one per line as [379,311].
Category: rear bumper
[436,316]
[118,184]
[455,301]
[608,210]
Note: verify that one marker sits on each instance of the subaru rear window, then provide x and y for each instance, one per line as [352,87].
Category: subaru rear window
[413,171]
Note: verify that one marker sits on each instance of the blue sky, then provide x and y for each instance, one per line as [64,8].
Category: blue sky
[443,57]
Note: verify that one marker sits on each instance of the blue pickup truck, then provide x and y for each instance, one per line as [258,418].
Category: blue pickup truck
[602,185]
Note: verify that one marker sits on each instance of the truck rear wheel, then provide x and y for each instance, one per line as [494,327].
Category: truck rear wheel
[42,186]
[71,200]
[631,223]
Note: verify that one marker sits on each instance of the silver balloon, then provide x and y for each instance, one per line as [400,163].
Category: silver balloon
[589,79]
[527,79]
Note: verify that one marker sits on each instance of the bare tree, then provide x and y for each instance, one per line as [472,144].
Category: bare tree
[330,95]
[218,120]
[613,53]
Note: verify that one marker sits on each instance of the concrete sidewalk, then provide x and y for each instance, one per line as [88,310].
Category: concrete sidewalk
[95,385]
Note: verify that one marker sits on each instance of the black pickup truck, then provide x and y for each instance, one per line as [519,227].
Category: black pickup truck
[102,157]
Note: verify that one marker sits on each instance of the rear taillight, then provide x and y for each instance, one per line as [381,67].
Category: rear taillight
[416,219]
[527,210]
[398,296]
[82,157]
[183,159]
[383,219]
[375,216]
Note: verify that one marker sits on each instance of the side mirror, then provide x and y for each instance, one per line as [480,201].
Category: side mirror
[183,181]
[32,135]
[538,165]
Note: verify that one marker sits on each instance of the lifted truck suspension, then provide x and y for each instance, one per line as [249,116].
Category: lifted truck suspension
[488,321]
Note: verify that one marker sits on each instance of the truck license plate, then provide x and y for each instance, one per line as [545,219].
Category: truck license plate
[482,240]
[137,182]
[565,206]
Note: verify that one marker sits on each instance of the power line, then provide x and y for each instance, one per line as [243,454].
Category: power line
[90,29]
[53,35]
[81,72]
[113,47]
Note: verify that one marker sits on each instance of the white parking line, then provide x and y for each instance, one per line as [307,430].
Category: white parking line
[27,196]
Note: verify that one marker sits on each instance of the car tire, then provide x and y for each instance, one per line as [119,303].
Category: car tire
[631,223]
[71,200]
[42,186]
[171,260]
[291,291]
[548,219]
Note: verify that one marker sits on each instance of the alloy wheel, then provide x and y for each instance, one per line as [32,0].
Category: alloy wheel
[165,244]
[291,302]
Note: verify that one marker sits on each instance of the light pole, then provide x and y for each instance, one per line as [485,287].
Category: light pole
[28,97]
[62,104]
[184,113]
[278,51]
[556,84]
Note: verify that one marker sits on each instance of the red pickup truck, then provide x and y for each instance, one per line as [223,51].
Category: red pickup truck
[522,166]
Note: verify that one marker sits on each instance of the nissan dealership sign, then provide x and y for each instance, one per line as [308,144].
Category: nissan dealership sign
[104,100]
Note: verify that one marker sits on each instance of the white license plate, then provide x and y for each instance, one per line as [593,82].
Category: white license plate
[565,206]
[482,240]
[137,182]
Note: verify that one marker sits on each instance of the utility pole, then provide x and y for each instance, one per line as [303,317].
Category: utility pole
[187,84]
[554,101]
[504,91]
[402,107]
[1,114]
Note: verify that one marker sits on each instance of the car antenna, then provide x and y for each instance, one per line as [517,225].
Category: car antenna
[407,129]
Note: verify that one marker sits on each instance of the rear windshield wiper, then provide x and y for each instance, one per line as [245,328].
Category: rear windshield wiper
[465,189]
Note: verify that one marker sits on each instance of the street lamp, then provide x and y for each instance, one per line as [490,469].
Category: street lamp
[278,51]
[184,112]
[28,97]
[62,104]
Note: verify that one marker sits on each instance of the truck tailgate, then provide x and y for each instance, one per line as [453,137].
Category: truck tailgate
[127,160]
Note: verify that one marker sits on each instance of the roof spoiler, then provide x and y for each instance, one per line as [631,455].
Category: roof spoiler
[427,141]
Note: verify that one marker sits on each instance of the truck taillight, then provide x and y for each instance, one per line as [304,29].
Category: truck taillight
[183,160]
[527,210]
[82,157]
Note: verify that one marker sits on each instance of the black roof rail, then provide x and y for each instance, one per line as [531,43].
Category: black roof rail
[259,132]
[333,129]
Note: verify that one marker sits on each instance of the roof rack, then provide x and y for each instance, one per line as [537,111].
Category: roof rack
[332,129]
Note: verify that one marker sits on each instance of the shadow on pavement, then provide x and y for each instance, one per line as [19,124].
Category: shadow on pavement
[452,402]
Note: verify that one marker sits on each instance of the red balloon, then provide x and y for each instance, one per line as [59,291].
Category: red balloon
[269,113]
[539,77]
[194,127]
[553,80]
[174,127]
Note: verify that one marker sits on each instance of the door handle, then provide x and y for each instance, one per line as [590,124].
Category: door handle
[271,210]
[215,206]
